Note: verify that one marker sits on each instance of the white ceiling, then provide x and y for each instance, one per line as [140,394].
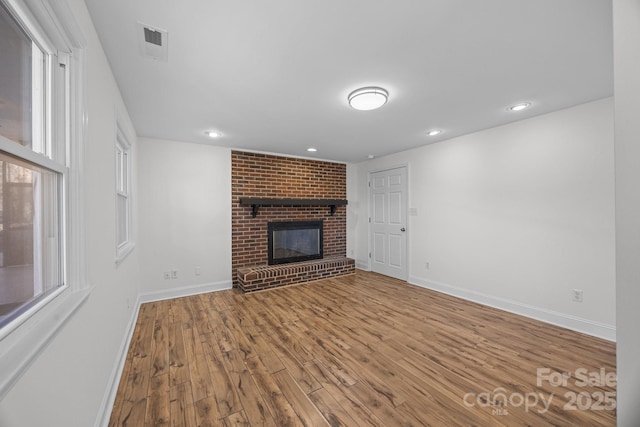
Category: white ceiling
[274,75]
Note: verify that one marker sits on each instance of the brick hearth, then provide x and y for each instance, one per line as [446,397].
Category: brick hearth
[270,276]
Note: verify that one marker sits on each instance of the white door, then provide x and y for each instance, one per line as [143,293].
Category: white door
[388,239]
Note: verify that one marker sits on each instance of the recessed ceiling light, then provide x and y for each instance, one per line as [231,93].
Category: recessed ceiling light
[368,98]
[434,132]
[312,150]
[519,107]
[370,156]
[213,134]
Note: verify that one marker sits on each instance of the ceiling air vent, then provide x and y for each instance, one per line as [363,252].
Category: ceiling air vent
[153,42]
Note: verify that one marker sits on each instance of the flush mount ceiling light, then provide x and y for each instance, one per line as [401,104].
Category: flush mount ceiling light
[213,134]
[368,98]
[434,132]
[519,107]
[312,150]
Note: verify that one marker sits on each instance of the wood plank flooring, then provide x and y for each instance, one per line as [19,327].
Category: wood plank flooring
[359,350]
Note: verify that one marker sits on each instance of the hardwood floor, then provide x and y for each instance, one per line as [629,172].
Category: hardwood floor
[359,350]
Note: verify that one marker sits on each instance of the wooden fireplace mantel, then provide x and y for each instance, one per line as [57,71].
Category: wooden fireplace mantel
[256,203]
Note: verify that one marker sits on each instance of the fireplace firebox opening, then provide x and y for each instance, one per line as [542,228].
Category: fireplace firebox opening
[294,241]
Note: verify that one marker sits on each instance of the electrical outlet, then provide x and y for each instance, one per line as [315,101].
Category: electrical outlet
[577,295]
[426,265]
[167,275]
[174,274]
[197,270]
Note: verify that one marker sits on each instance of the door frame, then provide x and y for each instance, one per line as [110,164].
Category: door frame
[407,203]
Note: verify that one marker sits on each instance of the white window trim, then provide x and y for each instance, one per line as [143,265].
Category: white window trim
[123,143]
[25,338]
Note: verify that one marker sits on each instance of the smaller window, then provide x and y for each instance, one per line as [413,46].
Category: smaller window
[124,240]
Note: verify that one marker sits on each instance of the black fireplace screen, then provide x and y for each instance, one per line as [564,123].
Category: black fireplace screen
[294,241]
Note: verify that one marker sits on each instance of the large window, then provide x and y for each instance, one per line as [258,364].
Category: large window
[34,103]
[42,126]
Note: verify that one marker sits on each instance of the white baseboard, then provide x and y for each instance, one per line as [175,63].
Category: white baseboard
[102,420]
[109,398]
[600,330]
[185,291]
[362,265]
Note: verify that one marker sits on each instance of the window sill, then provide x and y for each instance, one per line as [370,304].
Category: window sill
[22,346]
[123,252]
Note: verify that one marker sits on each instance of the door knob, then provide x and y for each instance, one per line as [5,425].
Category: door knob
[403,229]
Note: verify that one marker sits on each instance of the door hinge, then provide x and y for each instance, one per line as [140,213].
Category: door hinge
[369,254]
[369,219]
[369,183]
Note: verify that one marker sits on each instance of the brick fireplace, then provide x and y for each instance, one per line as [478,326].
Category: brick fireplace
[262,176]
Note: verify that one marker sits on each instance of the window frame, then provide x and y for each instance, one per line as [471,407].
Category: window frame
[53,27]
[123,188]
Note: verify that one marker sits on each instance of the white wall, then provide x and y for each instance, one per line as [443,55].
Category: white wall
[66,385]
[627,145]
[515,216]
[185,203]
